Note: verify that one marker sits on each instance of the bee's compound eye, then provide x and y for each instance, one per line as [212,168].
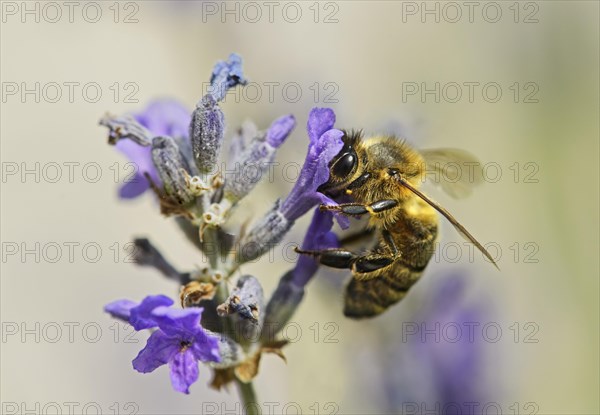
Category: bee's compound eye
[344,165]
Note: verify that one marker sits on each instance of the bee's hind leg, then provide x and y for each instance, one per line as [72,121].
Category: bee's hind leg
[332,257]
[365,265]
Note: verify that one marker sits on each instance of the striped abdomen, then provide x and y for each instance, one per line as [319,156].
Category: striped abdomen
[415,237]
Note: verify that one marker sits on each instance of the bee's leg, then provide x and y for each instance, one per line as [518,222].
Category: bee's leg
[361,264]
[333,257]
[357,209]
[387,237]
[364,266]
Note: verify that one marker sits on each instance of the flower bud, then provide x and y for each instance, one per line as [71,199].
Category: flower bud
[230,352]
[253,163]
[265,234]
[171,169]
[206,133]
[246,299]
[245,307]
[240,141]
[126,127]
[226,75]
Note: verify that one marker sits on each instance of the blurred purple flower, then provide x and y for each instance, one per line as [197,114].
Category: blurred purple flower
[179,341]
[440,365]
[163,117]
[325,143]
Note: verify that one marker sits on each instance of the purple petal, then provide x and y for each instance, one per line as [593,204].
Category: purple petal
[165,117]
[142,317]
[159,350]
[120,309]
[280,129]
[184,371]
[319,121]
[135,187]
[328,146]
[206,347]
[315,171]
[162,117]
[184,323]
[139,155]
[318,236]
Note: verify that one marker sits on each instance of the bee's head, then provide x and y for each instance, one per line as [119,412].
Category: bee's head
[342,168]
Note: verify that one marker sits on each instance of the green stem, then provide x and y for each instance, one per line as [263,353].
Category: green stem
[248,397]
[211,239]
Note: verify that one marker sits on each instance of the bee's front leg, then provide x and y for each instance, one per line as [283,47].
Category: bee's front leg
[357,209]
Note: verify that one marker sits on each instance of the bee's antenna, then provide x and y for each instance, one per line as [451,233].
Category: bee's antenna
[461,229]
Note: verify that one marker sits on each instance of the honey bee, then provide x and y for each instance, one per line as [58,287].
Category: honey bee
[381,176]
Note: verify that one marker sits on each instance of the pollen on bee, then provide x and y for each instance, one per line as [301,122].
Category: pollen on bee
[348,191]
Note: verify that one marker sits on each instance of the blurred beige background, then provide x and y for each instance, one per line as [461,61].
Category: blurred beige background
[372,49]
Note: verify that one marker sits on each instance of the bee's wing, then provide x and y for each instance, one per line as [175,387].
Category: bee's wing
[455,171]
[460,228]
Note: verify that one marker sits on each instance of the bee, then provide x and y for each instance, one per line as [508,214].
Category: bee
[381,176]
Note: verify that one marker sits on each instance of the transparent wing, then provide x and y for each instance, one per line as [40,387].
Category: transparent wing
[455,171]
[460,228]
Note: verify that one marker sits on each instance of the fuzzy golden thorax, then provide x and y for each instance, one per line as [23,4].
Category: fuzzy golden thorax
[367,170]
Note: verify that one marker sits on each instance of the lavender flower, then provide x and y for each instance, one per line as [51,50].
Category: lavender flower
[325,142]
[178,153]
[138,315]
[179,340]
[161,118]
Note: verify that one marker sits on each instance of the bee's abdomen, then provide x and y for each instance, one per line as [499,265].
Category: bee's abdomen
[367,298]
[372,296]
